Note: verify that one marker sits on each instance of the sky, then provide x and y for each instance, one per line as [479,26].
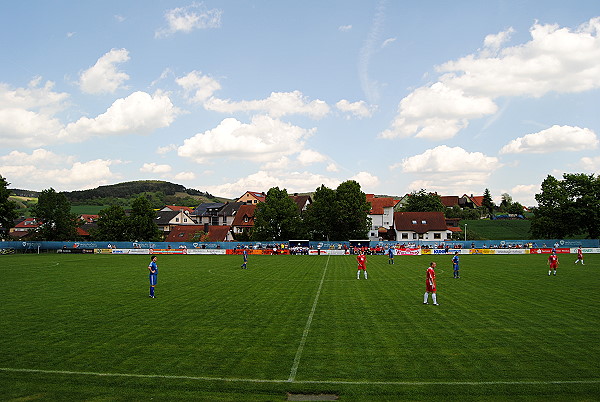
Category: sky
[234,96]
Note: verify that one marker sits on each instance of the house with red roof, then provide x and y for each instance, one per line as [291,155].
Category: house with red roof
[415,226]
[186,233]
[243,221]
[382,216]
[252,197]
[177,208]
[24,228]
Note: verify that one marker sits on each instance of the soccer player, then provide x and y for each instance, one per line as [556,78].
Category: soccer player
[553,263]
[430,285]
[153,275]
[361,258]
[579,256]
[391,255]
[245,264]
[455,261]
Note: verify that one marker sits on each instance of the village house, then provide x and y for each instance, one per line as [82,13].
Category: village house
[415,226]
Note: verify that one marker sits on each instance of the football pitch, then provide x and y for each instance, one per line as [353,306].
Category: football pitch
[81,327]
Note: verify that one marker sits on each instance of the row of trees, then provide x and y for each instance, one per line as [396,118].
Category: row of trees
[340,214]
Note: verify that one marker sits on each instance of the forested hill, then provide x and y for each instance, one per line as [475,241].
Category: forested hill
[170,192]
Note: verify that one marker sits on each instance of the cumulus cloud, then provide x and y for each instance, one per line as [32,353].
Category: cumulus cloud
[103,77]
[293,182]
[264,140]
[166,149]
[198,88]
[155,168]
[591,165]
[554,139]
[278,104]
[190,18]
[448,169]
[309,157]
[366,180]
[358,109]
[185,176]
[40,167]
[344,28]
[138,113]
[560,60]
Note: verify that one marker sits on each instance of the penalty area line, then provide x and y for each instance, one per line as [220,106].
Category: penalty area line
[331,382]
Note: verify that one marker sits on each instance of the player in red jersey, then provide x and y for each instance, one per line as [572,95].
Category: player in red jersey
[361,258]
[579,256]
[430,285]
[553,263]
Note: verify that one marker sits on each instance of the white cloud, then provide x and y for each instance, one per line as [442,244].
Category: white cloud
[293,182]
[155,168]
[560,60]
[278,104]
[358,109]
[332,167]
[119,18]
[387,42]
[40,99]
[185,176]
[41,167]
[280,164]
[367,181]
[139,113]
[309,157]
[263,140]
[103,77]
[555,139]
[166,149]
[444,159]
[525,193]
[591,164]
[198,87]
[344,28]
[187,19]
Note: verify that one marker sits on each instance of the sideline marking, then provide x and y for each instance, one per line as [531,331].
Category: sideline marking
[334,382]
[294,369]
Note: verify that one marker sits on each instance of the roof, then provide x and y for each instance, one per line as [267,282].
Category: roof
[301,200]
[187,232]
[230,208]
[378,204]
[477,200]
[205,206]
[164,217]
[413,221]
[246,210]
[88,218]
[449,200]
[28,223]
[178,208]
[256,194]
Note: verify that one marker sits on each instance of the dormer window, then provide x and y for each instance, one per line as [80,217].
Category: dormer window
[414,222]
[424,222]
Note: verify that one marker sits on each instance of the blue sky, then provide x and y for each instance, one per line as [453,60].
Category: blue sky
[230,96]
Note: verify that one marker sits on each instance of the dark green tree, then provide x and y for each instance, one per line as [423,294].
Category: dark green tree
[421,201]
[352,219]
[112,225]
[53,210]
[488,202]
[142,221]
[8,208]
[278,218]
[567,207]
[319,219]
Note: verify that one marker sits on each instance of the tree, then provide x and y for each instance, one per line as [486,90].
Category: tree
[112,225]
[506,202]
[319,219]
[421,201]
[567,207]
[277,218]
[142,221]
[352,217]
[8,208]
[53,210]
[488,202]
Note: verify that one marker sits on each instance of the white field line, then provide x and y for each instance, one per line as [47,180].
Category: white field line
[332,382]
[294,369]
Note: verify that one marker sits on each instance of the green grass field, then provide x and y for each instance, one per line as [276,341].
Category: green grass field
[81,327]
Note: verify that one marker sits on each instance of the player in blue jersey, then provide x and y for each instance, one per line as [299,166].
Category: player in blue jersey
[391,255]
[153,275]
[245,254]
[455,265]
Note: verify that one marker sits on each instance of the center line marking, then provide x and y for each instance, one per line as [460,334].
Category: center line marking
[294,369]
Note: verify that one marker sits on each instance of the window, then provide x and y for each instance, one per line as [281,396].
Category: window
[405,236]
[414,235]
[176,219]
[424,222]
[421,236]
[437,235]
[414,222]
